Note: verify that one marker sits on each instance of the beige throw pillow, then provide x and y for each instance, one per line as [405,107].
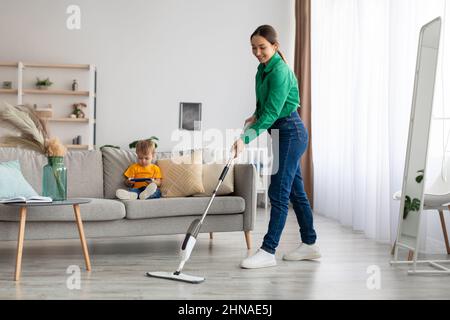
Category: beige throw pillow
[181,176]
[211,174]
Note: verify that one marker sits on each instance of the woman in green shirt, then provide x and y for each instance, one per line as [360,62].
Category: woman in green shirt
[277,100]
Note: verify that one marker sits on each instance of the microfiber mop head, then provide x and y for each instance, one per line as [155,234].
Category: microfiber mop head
[177,277]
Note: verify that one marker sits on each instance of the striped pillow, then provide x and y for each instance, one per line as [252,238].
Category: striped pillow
[211,174]
[181,176]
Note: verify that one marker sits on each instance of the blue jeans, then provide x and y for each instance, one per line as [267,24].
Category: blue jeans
[156,195]
[287,183]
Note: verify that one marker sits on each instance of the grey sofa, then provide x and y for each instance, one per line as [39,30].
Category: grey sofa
[96,175]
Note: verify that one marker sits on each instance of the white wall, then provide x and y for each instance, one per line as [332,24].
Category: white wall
[151,55]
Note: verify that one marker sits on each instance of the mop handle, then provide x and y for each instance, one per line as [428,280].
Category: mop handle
[221,178]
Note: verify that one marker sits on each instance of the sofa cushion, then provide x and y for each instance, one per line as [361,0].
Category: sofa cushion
[84,170]
[31,164]
[211,174]
[84,174]
[12,182]
[96,210]
[182,175]
[115,162]
[176,207]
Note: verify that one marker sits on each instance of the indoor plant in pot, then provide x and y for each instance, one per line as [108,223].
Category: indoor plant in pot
[43,84]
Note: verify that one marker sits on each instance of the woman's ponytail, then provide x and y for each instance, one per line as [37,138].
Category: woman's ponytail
[282,56]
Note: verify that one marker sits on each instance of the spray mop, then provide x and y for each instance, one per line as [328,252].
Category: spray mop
[191,238]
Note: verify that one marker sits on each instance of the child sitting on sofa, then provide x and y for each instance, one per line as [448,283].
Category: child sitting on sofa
[143,169]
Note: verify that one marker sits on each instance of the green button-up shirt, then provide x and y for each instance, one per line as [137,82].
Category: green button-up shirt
[277,96]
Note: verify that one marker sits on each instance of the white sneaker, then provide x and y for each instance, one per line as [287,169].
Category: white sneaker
[303,252]
[123,194]
[151,189]
[261,259]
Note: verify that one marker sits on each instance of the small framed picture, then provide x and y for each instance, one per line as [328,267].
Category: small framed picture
[190,116]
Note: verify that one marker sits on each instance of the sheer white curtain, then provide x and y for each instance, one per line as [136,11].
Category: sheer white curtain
[363,61]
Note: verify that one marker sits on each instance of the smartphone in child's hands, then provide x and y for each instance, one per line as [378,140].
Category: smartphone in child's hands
[141,180]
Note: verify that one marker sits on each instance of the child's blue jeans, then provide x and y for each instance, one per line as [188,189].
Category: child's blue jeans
[156,195]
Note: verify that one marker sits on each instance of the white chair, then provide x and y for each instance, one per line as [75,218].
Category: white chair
[437,197]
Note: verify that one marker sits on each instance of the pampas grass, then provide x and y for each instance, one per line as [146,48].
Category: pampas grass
[55,148]
[33,133]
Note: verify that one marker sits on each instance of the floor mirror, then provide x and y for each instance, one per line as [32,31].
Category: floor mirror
[414,177]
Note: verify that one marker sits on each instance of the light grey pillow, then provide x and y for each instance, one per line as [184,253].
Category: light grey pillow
[115,162]
[12,181]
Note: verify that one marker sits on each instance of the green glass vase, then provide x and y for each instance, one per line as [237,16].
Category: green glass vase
[54,179]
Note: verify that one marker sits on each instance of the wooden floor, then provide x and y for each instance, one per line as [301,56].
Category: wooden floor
[119,266]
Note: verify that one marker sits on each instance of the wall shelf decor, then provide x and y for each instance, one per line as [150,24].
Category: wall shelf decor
[11,91]
[61,96]
[57,92]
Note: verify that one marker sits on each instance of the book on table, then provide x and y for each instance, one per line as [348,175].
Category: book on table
[32,199]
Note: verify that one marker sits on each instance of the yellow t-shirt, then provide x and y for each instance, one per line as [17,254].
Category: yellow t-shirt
[137,171]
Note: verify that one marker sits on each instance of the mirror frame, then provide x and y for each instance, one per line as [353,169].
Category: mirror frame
[413,189]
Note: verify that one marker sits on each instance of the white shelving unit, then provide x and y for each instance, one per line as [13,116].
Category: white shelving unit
[59,96]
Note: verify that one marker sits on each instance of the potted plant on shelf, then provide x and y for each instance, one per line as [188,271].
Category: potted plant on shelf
[43,84]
